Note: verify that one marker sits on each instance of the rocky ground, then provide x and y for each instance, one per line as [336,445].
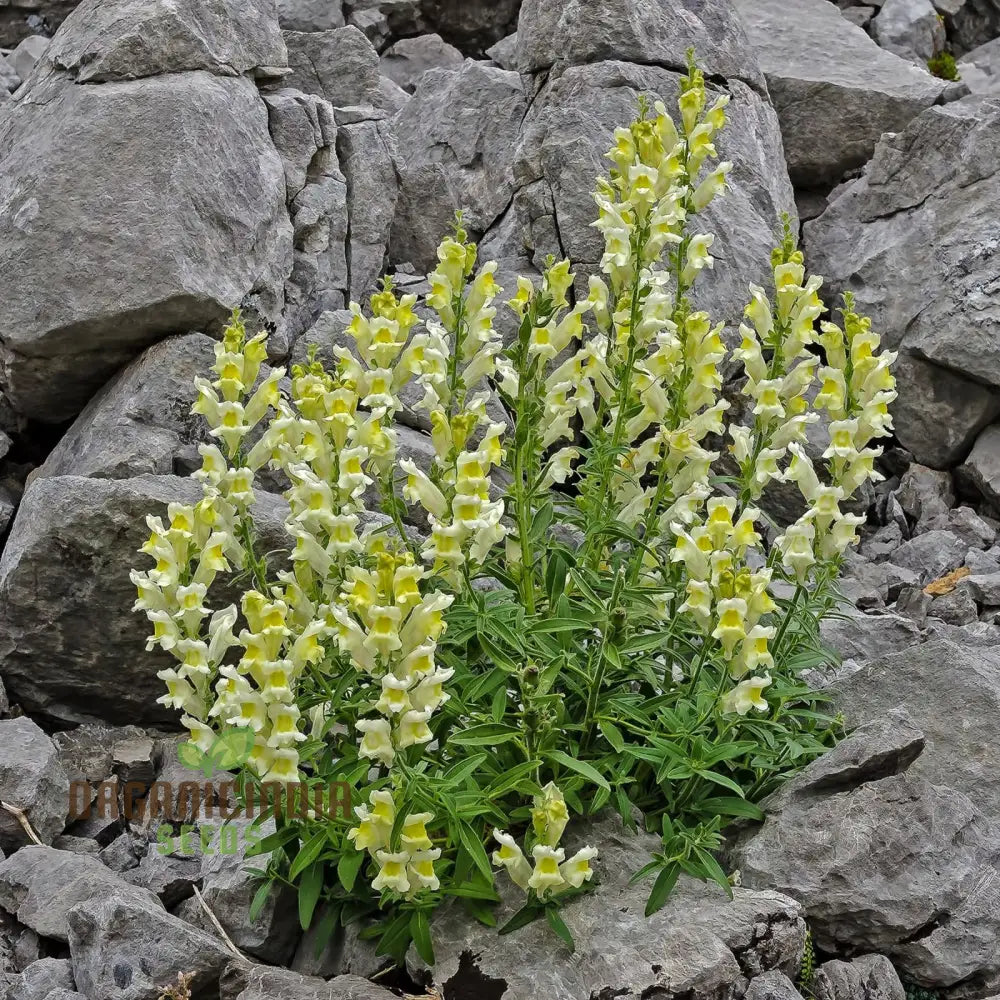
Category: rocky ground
[164,160]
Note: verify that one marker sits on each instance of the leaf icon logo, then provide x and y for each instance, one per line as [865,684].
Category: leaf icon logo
[228,751]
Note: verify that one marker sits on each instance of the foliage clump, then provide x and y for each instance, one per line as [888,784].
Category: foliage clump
[592,618]
[943,65]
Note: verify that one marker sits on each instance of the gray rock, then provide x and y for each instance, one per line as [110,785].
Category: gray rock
[460,130]
[32,780]
[43,978]
[980,69]
[965,681]
[9,80]
[925,494]
[66,995]
[867,637]
[4,701]
[985,589]
[926,186]
[341,65]
[772,986]
[27,53]
[877,860]
[229,889]
[957,608]
[834,98]
[931,554]
[982,563]
[691,944]
[141,421]
[310,15]
[938,412]
[974,23]
[914,604]
[407,60]
[76,845]
[40,885]
[107,41]
[173,263]
[304,131]
[882,543]
[566,135]
[553,35]
[171,876]
[861,16]
[242,981]
[368,156]
[20,19]
[981,471]
[910,28]
[870,585]
[964,522]
[72,647]
[868,977]
[504,53]
[96,752]
[129,947]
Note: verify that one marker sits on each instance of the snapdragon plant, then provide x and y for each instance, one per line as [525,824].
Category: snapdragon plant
[592,616]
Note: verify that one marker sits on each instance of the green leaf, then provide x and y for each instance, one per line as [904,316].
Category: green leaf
[474,846]
[557,923]
[310,888]
[612,734]
[720,779]
[510,779]
[420,931]
[730,806]
[348,867]
[713,870]
[579,766]
[309,853]
[526,915]
[662,888]
[489,734]
[457,773]
[232,748]
[560,625]
[259,900]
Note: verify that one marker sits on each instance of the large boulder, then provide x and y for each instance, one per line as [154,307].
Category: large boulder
[700,944]
[72,648]
[883,859]
[40,885]
[32,780]
[932,185]
[554,34]
[340,65]
[458,135]
[157,240]
[950,691]
[834,89]
[128,947]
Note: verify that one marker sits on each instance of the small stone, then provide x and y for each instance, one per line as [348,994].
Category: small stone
[241,981]
[42,978]
[925,493]
[27,54]
[931,554]
[882,543]
[860,16]
[914,604]
[407,61]
[957,608]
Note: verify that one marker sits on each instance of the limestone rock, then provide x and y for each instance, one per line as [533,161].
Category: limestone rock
[834,89]
[407,60]
[310,15]
[26,55]
[700,941]
[878,857]
[40,885]
[938,412]
[129,947]
[459,132]
[157,240]
[42,979]
[927,186]
[867,977]
[980,69]
[553,35]
[981,471]
[106,41]
[254,982]
[72,647]
[910,28]
[339,65]
[33,780]
[931,554]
